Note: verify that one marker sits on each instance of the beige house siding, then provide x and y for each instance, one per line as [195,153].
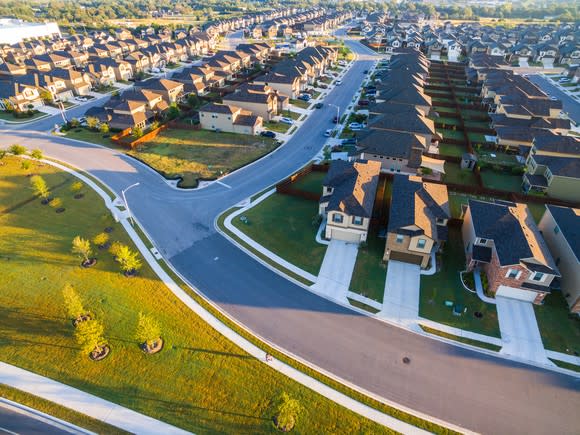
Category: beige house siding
[346,230]
[565,259]
[408,245]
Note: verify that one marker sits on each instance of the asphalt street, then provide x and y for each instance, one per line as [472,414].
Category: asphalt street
[571,106]
[16,423]
[479,392]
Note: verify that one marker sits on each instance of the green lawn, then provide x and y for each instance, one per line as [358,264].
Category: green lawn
[447,149]
[443,110]
[285,225]
[477,138]
[476,124]
[278,127]
[200,381]
[477,343]
[447,121]
[451,134]
[501,180]
[87,135]
[290,114]
[499,157]
[9,116]
[456,200]
[468,113]
[311,182]
[560,330]
[370,273]
[455,175]
[300,103]
[445,285]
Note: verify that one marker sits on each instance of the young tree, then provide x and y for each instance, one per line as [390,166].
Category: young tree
[72,302]
[56,203]
[89,335]
[37,154]
[148,330]
[17,150]
[25,165]
[127,259]
[39,186]
[82,247]
[137,132]
[104,128]
[287,412]
[46,95]
[74,122]
[92,122]
[101,239]
[115,247]
[76,186]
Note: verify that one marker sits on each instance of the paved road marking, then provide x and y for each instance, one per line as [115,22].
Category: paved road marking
[223,184]
[8,431]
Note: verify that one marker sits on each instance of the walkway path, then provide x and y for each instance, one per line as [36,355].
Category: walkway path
[401,299]
[84,403]
[519,330]
[336,270]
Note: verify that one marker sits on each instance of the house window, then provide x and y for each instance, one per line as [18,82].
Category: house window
[556,229]
[400,238]
[483,241]
[440,221]
[538,276]
[421,243]
[512,273]
[337,218]
[357,220]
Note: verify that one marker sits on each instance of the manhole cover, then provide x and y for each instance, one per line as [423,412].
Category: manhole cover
[406,360]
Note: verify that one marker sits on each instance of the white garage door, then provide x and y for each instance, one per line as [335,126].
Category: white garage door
[347,236]
[516,293]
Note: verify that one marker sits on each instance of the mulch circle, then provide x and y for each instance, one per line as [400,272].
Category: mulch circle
[157,347]
[283,429]
[105,246]
[60,210]
[79,196]
[45,201]
[109,230]
[130,274]
[90,263]
[98,356]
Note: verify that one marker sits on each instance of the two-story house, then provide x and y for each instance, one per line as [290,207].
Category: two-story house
[228,118]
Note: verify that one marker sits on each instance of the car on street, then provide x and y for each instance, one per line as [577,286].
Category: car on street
[355,126]
[363,102]
[319,105]
[268,134]
[328,132]
[285,120]
[338,82]
[554,98]
[366,71]
[335,119]
[564,80]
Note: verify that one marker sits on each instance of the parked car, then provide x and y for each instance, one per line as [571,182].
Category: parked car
[564,80]
[268,134]
[363,102]
[319,105]
[285,120]
[328,132]
[349,141]
[366,71]
[335,119]
[355,126]
[155,70]
[304,97]
[323,86]
[338,82]
[554,98]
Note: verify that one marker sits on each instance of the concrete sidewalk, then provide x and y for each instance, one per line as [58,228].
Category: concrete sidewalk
[84,403]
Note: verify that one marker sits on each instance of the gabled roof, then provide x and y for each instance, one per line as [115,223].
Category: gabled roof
[354,187]
[568,220]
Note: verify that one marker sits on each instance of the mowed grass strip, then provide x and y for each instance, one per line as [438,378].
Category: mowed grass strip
[200,381]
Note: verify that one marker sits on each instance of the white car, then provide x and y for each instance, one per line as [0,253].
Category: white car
[355,126]
[564,80]
[554,98]
[328,132]
[338,82]
[285,120]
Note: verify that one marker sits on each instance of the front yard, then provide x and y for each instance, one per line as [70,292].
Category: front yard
[445,286]
[370,273]
[300,103]
[278,127]
[287,226]
[560,330]
[200,381]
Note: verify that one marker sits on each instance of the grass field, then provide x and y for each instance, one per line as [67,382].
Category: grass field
[278,127]
[445,285]
[311,182]
[470,341]
[560,330]
[451,134]
[447,149]
[455,175]
[9,116]
[200,381]
[501,181]
[369,275]
[300,103]
[284,225]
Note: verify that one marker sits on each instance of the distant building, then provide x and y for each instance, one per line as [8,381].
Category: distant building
[13,31]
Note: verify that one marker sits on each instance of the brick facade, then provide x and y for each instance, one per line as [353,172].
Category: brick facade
[496,274]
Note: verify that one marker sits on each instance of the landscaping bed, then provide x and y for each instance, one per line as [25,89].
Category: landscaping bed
[200,381]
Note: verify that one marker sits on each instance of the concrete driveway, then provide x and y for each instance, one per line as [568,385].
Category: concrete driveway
[336,270]
[519,330]
[401,299]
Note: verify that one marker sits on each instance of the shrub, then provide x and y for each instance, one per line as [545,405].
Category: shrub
[104,128]
[25,165]
[89,335]
[76,186]
[115,247]
[101,239]
[287,412]
[56,203]
[72,301]
[128,260]
[37,154]
[92,122]
[148,330]
[81,247]
[73,123]
[17,150]
[39,186]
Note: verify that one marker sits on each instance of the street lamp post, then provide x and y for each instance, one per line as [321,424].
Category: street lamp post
[125,200]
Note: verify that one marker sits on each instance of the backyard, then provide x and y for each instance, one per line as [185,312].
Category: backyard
[501,180]
[286,225]
[445,286]
[455,175]
[199,381]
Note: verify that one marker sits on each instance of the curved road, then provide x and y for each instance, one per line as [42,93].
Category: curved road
[473,390]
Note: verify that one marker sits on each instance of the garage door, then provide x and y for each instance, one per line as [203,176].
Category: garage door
[516,293]
[347,236]
[405,257]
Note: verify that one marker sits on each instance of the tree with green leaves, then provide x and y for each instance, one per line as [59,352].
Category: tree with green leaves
[128,260]
[82,247]
[73,303]
[37,154]
[46,96]
[17,149]
[104,128]
[148,330]
[56,203]
[287,412]
[137,132]
[92,122]
[77,186]
[25,165]
[101,239]
[89,335]
[39,187]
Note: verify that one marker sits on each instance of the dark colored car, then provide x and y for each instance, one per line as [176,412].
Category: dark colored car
[350,141]
[268,134]
[366,71]
[363,102]
[335,119]
[319,105]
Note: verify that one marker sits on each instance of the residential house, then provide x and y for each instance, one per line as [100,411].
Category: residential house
[101,74]
[502,240]
[224,117]
[560,228]
[418,216]
[348,196]
[171,90]
[259,99]
[77,82]
[20,96]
